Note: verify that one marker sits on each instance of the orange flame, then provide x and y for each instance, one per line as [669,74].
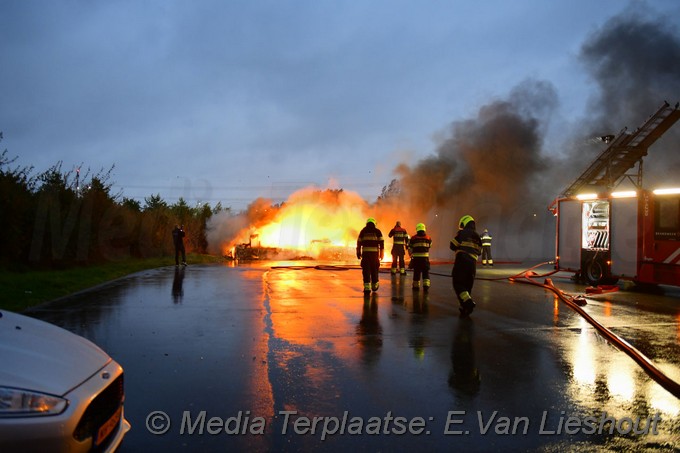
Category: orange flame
[310,218]
[320,224]
[310,222]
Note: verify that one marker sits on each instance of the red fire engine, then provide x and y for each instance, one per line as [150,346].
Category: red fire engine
[604,235]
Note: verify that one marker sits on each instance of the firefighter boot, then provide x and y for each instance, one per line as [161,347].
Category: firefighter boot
[393,271]
[367,288]
[375,287]
[470,306]
[466,308]
[426,284]
[402,271]
[416,285]
[466,304]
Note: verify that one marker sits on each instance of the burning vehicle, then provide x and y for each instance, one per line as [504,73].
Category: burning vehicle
[247,251]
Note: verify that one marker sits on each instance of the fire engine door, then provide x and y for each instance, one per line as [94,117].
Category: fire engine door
[666,238]
[568,234]
[624,236]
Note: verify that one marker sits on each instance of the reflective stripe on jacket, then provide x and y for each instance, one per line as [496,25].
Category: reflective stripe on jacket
[486,240]
[419,245]
[370,240]
[399,235]
[467,241]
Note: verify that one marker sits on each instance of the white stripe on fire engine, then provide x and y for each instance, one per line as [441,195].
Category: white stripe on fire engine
[671,258]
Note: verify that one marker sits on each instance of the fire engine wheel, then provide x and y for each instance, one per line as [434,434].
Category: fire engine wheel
[595,272]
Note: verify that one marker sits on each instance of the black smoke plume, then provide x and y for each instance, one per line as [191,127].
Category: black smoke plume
[491,166]
[494,167]
[635,61]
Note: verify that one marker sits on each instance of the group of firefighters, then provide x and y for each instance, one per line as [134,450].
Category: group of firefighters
[468,245]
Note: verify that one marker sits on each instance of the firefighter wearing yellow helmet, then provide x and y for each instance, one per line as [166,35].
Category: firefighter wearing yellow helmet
[486,248]
[419,250]
[370,250]
[467,245]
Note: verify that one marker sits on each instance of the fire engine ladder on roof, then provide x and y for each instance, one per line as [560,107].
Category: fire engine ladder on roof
[624,152]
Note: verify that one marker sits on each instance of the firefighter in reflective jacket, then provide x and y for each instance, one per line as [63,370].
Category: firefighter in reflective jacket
[419,250]
[468,245]
[399,243]
[370,250]
[486,249]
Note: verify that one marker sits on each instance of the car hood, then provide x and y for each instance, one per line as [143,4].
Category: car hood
[39,356]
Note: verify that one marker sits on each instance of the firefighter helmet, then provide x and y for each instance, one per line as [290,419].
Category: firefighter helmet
[370,220]
[420,227]
[464,221]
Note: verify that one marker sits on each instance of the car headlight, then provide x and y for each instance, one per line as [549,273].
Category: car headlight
[21,403]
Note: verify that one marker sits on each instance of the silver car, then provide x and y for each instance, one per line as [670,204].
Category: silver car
[58,391]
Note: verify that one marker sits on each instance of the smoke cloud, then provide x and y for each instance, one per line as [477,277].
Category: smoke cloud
[490,166]
[635,61]
[494,167]
[224,227]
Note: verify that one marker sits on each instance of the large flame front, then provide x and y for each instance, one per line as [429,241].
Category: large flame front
[310,218]
[312,222]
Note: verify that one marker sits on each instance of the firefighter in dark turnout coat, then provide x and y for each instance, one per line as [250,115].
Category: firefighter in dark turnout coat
[468,245]
[486,248]
[370,250]
[419,249]
[399,243]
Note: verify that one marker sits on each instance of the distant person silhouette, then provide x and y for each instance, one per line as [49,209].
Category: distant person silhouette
[178,239]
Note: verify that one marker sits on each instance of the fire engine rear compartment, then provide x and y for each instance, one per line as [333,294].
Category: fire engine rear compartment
[633,237]
[604,235]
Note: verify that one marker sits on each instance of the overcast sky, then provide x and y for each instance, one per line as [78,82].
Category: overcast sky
[231,100]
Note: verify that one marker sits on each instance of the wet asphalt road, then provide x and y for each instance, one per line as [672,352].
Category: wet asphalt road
[267,358]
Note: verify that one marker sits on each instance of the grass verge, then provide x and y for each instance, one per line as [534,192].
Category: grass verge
[21,290]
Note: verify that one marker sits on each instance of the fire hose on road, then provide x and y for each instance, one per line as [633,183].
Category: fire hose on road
[574,302]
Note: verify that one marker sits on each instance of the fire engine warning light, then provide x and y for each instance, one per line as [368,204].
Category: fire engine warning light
[628,194]
[672,191]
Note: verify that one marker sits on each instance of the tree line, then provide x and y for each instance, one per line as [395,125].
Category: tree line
[57,218]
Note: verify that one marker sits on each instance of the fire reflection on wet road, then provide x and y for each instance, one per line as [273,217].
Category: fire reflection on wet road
[295,343]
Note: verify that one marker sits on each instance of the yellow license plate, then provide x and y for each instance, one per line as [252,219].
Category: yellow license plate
[107,428]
